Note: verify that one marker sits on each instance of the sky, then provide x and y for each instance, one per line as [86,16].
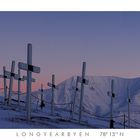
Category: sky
[109,43]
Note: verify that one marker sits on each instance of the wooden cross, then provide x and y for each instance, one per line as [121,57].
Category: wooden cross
[53,86]
[83,82]
[75,92]
[42,101]
[112,95]
[29,68]
[18,77]
[4,83]
[9,75]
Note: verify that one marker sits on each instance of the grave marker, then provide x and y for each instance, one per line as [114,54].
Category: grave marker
[42,101]
[129,101]
[53,87]
[4,84]
[112,95]
[83,82]
[29,68]
[11,74]
[18,77]
[76,89]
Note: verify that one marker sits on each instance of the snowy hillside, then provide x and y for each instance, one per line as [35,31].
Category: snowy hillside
[96,99]
[96,104]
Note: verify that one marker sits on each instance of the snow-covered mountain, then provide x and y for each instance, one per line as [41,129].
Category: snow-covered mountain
[96,99]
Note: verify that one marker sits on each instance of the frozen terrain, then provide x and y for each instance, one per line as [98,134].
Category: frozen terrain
[96,105]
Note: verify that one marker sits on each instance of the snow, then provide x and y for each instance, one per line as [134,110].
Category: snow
[96,105]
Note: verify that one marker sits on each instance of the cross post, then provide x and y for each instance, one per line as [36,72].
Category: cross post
[53,86]
[11,82]
[111,105]
[75,92]
[29,68]
[83,82]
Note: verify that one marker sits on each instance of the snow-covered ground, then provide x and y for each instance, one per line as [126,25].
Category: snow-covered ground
[96,105]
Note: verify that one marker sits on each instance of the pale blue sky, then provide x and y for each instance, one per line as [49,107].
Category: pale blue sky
[108,41]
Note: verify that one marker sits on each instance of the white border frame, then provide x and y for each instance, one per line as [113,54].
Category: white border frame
[69,5]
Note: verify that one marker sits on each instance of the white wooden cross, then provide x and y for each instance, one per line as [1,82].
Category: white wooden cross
[53,86]
[112,96]
[4,83]
[29,68]
[74,98]
[18,77]
[129,102]
[83,82]
[10,75]
[42,101]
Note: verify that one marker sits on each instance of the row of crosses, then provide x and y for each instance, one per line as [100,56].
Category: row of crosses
[11,75]
[34,69]
[31,68]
